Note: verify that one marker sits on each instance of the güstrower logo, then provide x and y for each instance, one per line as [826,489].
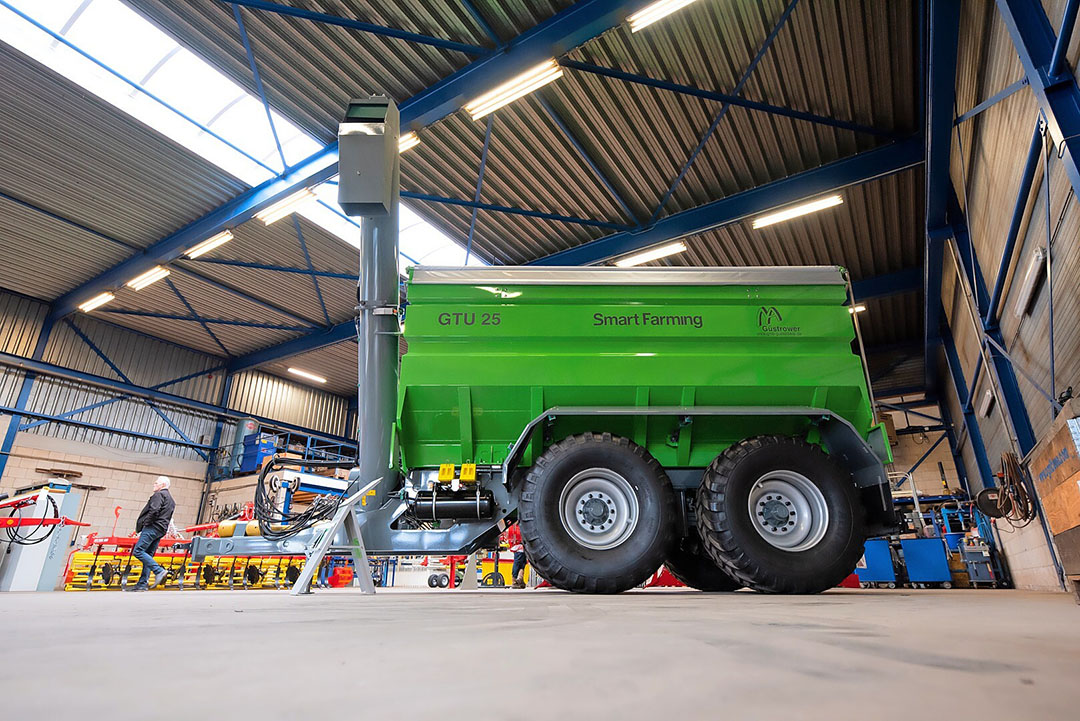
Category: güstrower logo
[771,322]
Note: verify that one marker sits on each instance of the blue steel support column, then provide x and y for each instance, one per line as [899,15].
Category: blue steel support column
[971,423]
[1058,94]
[24,395]
[944,30]
[1061,46]
[212,461]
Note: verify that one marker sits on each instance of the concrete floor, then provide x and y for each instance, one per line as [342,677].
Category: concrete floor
[481,655]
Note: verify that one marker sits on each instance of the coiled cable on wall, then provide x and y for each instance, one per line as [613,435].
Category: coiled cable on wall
[27,538]
[1014,501]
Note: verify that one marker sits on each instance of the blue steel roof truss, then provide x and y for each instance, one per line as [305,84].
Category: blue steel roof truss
[115,369]
[553,38]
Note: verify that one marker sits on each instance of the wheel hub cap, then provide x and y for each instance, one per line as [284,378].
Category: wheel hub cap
[788,510]
[598,508]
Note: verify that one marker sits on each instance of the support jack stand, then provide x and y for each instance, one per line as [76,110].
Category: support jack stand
[344,518]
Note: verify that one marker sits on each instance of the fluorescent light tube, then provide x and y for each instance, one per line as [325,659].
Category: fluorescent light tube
[655,254]
[305,374]
[508,92]
[407,141]
[284,207]
[96,302]
[798,210]
[148,278]
[650,14]
[209,244]
[856,309]
[1036,270]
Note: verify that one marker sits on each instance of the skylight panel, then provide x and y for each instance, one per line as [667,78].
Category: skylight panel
[100,25]
[186,82]
[126,43]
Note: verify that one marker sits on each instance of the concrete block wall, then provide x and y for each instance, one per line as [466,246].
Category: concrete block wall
[1028,557]
[127,476]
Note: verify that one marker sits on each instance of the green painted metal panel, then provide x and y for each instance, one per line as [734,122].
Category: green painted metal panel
[501,353]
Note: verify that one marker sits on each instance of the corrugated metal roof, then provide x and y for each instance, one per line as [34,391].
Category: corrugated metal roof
[76,156]
[311,70]
[847,59]
[336,363]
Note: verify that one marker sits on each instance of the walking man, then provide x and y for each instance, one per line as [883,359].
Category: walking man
[152,524]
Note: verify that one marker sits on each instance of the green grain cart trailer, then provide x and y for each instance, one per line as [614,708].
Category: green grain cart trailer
[716,420]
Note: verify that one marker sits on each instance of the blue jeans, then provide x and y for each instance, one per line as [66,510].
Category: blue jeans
[519,563]
[144,550]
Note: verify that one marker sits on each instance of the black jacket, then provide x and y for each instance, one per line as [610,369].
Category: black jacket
[157,512]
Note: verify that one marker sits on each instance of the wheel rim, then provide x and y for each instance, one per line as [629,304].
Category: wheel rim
[788,510]
[599,508]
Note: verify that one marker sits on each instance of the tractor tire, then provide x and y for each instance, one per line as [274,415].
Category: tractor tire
[597,514]
[444,580]
[781,516]
[433,581]
[694,568]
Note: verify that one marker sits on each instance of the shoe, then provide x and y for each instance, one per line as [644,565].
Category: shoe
[159,576]
[137,588]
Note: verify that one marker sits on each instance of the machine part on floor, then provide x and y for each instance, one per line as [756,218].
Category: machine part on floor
[877,567]
[979,562]
[925,562]
[597,514]
[781,516]
[692,566]
[34,538]
[494,580]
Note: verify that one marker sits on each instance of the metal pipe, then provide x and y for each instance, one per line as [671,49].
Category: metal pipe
[1061,46]
[1026,180]
[1049,247]
[377,351]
